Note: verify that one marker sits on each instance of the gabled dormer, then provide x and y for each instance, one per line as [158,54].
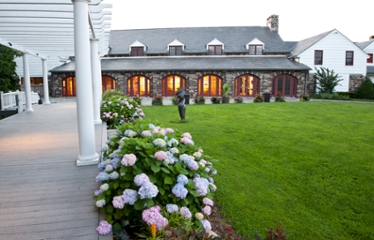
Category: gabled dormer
[255,47]
[175,48]
[137,49]
[215,47]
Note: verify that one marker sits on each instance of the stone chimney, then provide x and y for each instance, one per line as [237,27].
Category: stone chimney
[371,37]
[273,22]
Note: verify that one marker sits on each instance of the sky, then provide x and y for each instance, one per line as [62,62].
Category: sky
[298,19]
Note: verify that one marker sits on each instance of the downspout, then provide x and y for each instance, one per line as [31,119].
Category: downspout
[306,81]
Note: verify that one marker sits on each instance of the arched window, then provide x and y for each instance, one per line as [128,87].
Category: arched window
[171,84]
[247,85]
[284,84]
[138,85]
[209,85]
[69,87]
[108,83]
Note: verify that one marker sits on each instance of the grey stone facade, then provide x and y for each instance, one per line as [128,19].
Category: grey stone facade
[355,82]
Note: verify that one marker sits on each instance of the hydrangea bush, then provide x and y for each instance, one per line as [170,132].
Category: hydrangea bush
[150,173]
[116,110]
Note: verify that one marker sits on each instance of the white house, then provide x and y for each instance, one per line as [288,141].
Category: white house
[336,52]
[368,47]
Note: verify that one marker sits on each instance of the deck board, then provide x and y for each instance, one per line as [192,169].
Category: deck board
[43,194]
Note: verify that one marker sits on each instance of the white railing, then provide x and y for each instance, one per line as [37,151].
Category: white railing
[9,100]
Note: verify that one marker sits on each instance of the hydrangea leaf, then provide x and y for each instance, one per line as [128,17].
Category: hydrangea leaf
[168,180]
[155,168]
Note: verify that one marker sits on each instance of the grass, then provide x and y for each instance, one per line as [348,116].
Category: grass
[308,165]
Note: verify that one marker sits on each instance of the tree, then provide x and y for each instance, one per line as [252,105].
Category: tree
[366,89]
[9,80]
[326,80]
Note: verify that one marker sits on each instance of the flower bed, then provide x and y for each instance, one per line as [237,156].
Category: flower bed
[154,175]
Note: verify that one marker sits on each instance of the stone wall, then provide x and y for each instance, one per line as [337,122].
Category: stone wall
[355,82]
[266,78]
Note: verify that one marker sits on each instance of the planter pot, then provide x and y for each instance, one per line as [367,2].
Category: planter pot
[156,104]
[225,99]
[200,102]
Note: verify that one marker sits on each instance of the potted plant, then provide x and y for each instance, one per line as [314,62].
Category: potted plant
[279,98]
[226,90]
[157,100]
[238,99]
[304,97]
[258,99]
[215,100]
[199,99]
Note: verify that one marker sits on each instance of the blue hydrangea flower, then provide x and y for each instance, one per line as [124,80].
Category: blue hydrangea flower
[179,190]
[184,211]
[103,176]
[148,190]
[172,142]
[159,142]
[114,162]
[113,175]
[101,166]
[182,179]
[172,208]
[130,196]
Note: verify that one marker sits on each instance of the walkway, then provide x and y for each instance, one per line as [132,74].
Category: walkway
[43,195]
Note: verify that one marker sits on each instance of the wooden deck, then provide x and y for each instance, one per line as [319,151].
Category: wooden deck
[43,194]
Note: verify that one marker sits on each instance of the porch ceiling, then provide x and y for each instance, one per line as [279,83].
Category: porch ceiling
[45,28]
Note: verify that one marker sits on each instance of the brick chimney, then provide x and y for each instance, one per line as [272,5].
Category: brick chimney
[273,22]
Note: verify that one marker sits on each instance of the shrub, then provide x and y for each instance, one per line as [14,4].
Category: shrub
[111,92]
[157,100]
[199,99]
[138,100]
[258,99]
[366,90]
[279,98]
[215,99]
[238,99]
[150,172]
[304,97]
[117,110]
[326,80]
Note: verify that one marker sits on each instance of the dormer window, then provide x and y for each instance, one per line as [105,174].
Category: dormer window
[255,47]
[215,47]
[137,49]
[175,48]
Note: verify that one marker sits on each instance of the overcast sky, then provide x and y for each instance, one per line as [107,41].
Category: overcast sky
[297,19]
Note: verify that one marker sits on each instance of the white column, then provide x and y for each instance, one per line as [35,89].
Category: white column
[86,128]
[45,82]
[26,80]
[96,79]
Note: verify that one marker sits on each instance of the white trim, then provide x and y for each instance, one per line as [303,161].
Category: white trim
[215,42]
[174,43]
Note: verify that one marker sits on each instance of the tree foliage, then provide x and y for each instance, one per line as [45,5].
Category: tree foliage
[9,80]
[326,80]
[366,90]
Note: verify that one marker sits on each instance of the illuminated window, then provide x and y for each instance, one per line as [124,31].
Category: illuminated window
[171,84]
[138,86]
[69,87]
[255,49]
[286,85]
[215,49]
[247,85]
[108,83]
[209,85]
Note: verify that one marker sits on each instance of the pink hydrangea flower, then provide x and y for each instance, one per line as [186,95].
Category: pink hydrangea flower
[104,228]
[118,202]
[161,155]
[187,135]
[128,159]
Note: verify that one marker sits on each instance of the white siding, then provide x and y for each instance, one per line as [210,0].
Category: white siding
[334,47]
[36,65]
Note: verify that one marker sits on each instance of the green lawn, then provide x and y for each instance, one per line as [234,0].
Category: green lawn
[309,165]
